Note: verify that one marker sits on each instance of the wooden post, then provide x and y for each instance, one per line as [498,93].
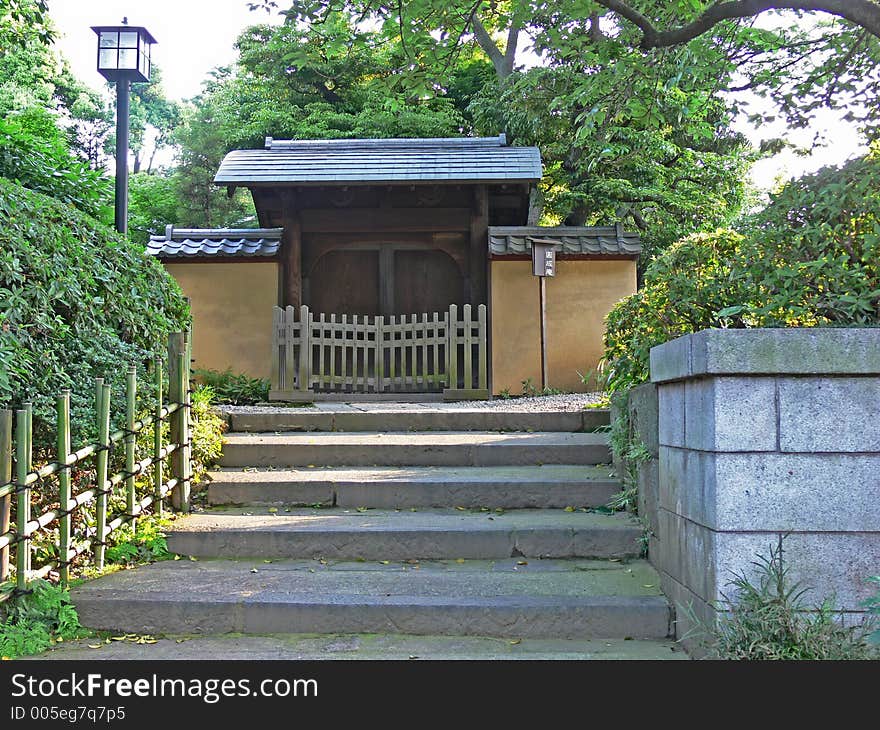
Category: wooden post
[305,349]
[23,506]
[5,478]
[63,448]
[158,476]
[102,398]
[178,387]
[543,298]
[452,347]
[482,350]
[291,251]
[478,260]
[130,400]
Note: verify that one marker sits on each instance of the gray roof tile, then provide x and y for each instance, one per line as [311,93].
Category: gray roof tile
[207,242]
[570,240]
[313,162]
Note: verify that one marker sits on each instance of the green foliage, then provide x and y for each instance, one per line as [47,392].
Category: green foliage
[146,544]
[76,302]
[873,606]
[766,618]
[38,619]
[630,452]
[152,204]
[207,432]
[232,388]
[810,258]
[34,153]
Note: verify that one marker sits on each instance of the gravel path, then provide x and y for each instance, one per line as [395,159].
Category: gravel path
[562,402]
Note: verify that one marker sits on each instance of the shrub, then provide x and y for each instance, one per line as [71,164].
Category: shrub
[76,302]
[810,258]
[207,432]
[35,153]
[36,620]
[767,619]
[234,389]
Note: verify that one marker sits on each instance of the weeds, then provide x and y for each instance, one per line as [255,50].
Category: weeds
[232,388]
[37,620]
[767,619]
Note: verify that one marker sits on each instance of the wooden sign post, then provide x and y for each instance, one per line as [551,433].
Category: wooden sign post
[543,265]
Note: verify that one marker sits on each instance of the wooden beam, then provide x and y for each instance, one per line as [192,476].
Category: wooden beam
[291,252]
[479,245]
[376,219]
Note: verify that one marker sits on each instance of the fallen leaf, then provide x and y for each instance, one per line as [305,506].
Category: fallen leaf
[516,641]
[272,510]
[118,638]
[522,562]
[460,509]
[569,509]
[459,560]
[385,562]
[254,570]
[91,646]
[362,509]
[648,585]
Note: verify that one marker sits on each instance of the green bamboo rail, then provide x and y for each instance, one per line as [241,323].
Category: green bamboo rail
[18,482]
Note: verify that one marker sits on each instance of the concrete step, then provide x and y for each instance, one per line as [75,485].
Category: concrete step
[543,599]
[342,534]
[477,448]
[404,417]
[508,487]
[406,647]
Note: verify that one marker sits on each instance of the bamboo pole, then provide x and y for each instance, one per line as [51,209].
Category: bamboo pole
[5,478]
[102,398]
[157,440]
[176,394]
[23,506]
[63,445]
[130,402]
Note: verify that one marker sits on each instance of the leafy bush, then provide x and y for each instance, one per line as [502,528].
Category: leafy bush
[234,389]
[76,302]
[810,258]
[35,153]
[146,544]
[36,620]
[768,620]
[207,432]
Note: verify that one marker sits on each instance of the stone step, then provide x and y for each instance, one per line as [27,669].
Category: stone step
[299,647]
[341,534]
[477,448]
[542,599]
[376,417]
[508,487]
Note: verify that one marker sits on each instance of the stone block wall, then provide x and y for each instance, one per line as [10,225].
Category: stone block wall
[762,434]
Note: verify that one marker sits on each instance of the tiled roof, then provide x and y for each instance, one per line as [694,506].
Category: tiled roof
[353,161]
[206,242]
[571,240]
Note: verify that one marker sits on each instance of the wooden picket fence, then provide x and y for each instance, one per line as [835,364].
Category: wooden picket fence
[18,477]
[427,353]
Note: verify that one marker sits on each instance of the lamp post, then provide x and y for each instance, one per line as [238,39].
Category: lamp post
[124,58]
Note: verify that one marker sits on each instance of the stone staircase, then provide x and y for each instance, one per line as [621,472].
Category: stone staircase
[457,523]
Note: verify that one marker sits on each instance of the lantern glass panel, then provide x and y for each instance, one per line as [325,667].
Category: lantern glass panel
[128,58]
[128,39]
[107,58]
[108,39]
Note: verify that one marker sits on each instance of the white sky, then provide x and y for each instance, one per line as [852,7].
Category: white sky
[195,36]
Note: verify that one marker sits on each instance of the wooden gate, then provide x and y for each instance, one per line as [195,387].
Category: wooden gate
[428,353]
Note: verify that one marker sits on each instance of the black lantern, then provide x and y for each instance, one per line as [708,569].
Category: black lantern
[124,52]
[123,57]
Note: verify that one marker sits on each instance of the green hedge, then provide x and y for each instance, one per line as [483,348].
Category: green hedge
[810,258]
[77,302]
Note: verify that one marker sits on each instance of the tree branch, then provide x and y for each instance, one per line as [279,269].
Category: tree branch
[863,13]
[488,45]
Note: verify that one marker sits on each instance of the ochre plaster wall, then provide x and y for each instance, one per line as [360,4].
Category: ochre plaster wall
[232,313]
[578,299]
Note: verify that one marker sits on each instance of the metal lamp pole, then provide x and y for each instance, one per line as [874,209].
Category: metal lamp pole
[123,107]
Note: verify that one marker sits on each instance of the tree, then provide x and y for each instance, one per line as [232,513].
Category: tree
[648,143]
